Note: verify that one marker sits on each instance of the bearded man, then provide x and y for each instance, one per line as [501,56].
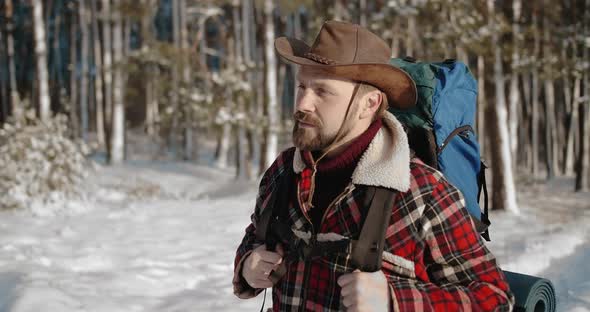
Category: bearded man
[345,143]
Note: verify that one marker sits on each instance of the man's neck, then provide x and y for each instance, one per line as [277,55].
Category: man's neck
[345,142]
[339,149]
[351,148]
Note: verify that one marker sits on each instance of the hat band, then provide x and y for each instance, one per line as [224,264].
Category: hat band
[319,58]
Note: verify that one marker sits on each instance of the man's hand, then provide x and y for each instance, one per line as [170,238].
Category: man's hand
[367,292]
[259,264]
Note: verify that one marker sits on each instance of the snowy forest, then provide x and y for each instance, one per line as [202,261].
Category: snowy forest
[202,81]
[108,107]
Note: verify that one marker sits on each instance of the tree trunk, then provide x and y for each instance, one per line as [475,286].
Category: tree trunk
[583,170]
[482,103]
[460,51]
[586,56]
[247,38]
[573,127]
[59,89]
[227,112]
[419,52]
[297,33]
[550,131]
[259,151]
[271,85]
[582,179]
[363,13]
[242,169]
[411,36]
[573,101]
[41,58]
[118,118]
[535,97]
[107,72]
[85,33]
[395,41]
[186,81]
[567,95]
[225,136]
[282,77]
[151,100]
[259,137]
[504,193]
[526,121]
[174,96]
[462,54]
[74,119]
[340,10]
[126,25]
[203,48]
[3,88]
[550,125]
[154,104]
[237,32]
[98,80]
[246,31]
[514,94]
[15,103]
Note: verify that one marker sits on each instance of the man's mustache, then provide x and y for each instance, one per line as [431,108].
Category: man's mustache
[307,118]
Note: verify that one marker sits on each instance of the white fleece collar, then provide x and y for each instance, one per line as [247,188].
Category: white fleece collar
[385,163]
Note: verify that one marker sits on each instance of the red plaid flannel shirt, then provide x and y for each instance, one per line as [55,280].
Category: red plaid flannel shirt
[433,259]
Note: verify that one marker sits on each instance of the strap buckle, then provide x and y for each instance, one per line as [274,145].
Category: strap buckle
[314,249]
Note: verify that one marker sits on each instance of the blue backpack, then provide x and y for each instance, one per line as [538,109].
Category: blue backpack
[441,128]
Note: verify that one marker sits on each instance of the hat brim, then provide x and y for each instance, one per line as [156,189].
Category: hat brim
[395,83]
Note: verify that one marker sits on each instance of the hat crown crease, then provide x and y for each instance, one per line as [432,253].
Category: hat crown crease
[355,53]
[356,50]
[331,44]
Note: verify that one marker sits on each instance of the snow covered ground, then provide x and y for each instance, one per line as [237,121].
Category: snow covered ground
[161,237]
[550,238]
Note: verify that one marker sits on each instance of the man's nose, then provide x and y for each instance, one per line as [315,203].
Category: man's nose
[304,102]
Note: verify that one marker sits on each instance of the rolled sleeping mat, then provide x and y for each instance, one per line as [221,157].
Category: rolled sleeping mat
[532,294]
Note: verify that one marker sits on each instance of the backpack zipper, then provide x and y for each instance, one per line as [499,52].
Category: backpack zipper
[339,198]
[306,272]
[459,131]
[307,263]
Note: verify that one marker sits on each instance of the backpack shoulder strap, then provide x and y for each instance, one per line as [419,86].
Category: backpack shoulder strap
[264,221]
[368,249]
[280,198]
[483,225]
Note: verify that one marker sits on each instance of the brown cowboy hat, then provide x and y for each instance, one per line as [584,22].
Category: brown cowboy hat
[352,52]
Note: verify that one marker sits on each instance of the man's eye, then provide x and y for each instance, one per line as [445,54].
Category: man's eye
[320,91]
[300,86]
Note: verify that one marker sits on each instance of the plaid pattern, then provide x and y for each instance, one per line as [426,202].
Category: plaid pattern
[434,259]
[305,183]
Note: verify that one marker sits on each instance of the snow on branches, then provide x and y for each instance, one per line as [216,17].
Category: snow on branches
[40,163]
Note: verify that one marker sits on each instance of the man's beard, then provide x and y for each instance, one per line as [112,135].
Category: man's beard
[310,139]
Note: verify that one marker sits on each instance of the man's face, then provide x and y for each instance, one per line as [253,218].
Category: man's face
[320,108]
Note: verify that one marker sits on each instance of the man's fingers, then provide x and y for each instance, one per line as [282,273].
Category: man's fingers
[262,283]
[271,257]
[265,267]
[353,288]
[346,290]
[280,250]
[349,302]
[346,279]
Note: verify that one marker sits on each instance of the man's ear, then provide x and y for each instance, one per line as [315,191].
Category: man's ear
[371,103]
